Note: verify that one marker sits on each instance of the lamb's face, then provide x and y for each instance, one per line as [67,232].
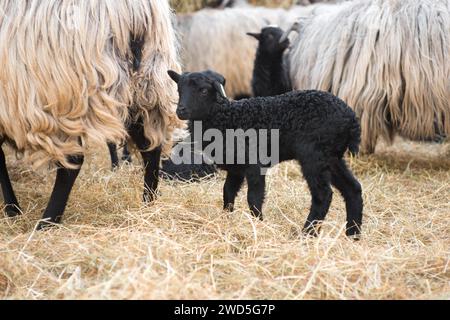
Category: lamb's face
[269,40]
[198,91]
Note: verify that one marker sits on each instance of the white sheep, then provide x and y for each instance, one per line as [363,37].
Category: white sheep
[386,59]
[79,71]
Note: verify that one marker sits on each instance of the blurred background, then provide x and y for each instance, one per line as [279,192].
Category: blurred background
[182,6]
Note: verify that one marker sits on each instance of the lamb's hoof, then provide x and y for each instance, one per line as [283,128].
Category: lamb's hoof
[258,217]
[46,225]
[356,237]
[354,233]
[312,229]
[12,211]
[311,232]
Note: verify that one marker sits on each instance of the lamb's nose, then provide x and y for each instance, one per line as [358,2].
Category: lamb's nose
[181,112]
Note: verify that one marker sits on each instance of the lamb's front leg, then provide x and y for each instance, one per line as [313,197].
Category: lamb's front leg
[65,179]
[232,186]
[256,191]
[151,160]
[12,207]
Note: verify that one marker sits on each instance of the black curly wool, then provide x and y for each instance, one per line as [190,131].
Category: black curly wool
[315,128]
[306,119]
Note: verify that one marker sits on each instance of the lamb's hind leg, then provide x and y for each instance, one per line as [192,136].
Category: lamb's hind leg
[65,179]
[318,179]
[232,186]
[12,208]
[351,190]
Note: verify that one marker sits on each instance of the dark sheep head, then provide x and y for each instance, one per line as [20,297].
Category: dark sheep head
[269,40]
[198,91]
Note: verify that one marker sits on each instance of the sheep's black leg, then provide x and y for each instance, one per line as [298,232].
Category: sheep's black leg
[256,191]
[12,207]
[65,179]
[318,179]
[113,153]
[232,186]
[126,156]
[151,161]
[350,188]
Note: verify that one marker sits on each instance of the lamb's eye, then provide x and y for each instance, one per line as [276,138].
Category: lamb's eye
[204,92]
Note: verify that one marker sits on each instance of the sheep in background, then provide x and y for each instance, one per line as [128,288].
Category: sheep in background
[310,2]
[270,74]
[223,4]
[74,72]
[315,128]
[224,46]
[387,59]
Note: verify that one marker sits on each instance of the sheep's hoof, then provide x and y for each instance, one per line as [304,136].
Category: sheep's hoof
[12,211]
[150,196]
[127,159]
[115,166]
[229,208]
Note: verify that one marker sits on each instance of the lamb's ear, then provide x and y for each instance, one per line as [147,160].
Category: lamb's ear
[257,36]
[220,89]
[216,77]
[174,76]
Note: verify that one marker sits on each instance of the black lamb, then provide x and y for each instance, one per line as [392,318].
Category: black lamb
[270,74]
[192,171]
[315,128]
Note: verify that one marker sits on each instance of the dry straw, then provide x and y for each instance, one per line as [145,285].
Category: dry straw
[185,247]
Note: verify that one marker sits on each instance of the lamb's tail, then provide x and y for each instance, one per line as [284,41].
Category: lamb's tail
[355,138]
